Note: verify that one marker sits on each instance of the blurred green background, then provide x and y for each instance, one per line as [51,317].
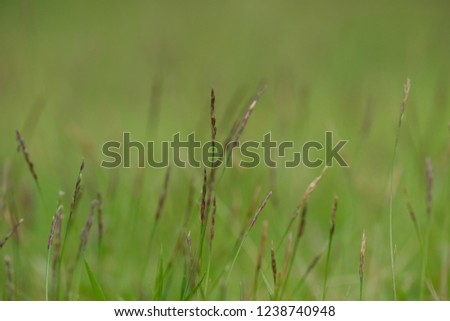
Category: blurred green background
[74,75]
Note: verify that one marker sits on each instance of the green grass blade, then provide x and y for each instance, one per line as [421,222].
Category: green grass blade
[159,281]
[98,292]
[195,289]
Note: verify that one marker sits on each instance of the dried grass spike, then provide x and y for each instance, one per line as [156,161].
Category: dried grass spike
[311,187]
[10,233]
[274,265]
[213,219]
[22,147]
[260,208]
[52,231]
[333,216]
[213,116]
[85,234]
[301,227]
[100,225]
[244,121]
[406,90]
[203,202]
[77,193]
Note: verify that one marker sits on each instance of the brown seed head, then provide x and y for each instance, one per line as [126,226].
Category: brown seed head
[260,208]
[362,255]
[100,225]
[311,187]
[333,216]
[406,90]
[274,265]
[203,202]
[10,233]
[22,147]
[213,219]
[248,113]
[301,227]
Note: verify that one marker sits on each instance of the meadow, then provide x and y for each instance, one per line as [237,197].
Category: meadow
[75,75]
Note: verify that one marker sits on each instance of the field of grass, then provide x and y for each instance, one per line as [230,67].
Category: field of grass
[75,75]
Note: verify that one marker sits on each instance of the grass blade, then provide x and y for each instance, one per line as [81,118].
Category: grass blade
[159,281]
[98,292]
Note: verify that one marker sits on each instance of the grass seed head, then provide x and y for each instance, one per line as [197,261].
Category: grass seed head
[301,227]
[213,219]
[213,117]
[412,213]
[406,90]
[260,208]
[362,255]
[333,216]
[274,265]
[203,201]
[87,227]
[10,233]
[22,147]
[77,192]
[100,225]
[311,187]
[252,105]
[52,231]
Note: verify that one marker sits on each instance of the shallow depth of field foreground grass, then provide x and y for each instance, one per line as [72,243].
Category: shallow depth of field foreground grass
[76,75]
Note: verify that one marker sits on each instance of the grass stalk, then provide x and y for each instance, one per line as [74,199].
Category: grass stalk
[391,185]
[307,272]
[49,248]
[259,260]
[211,238]
[330,241]
[9,294]
[300,232]
[429,209]
[309,190]
[203,215]
[252,223]
[73,205]
[362,257]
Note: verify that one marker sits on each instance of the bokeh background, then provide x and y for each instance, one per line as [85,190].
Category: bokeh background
[74,75]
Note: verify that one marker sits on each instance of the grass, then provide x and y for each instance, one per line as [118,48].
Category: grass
[391,185]
[362,257]
[330,241]
[69,85]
